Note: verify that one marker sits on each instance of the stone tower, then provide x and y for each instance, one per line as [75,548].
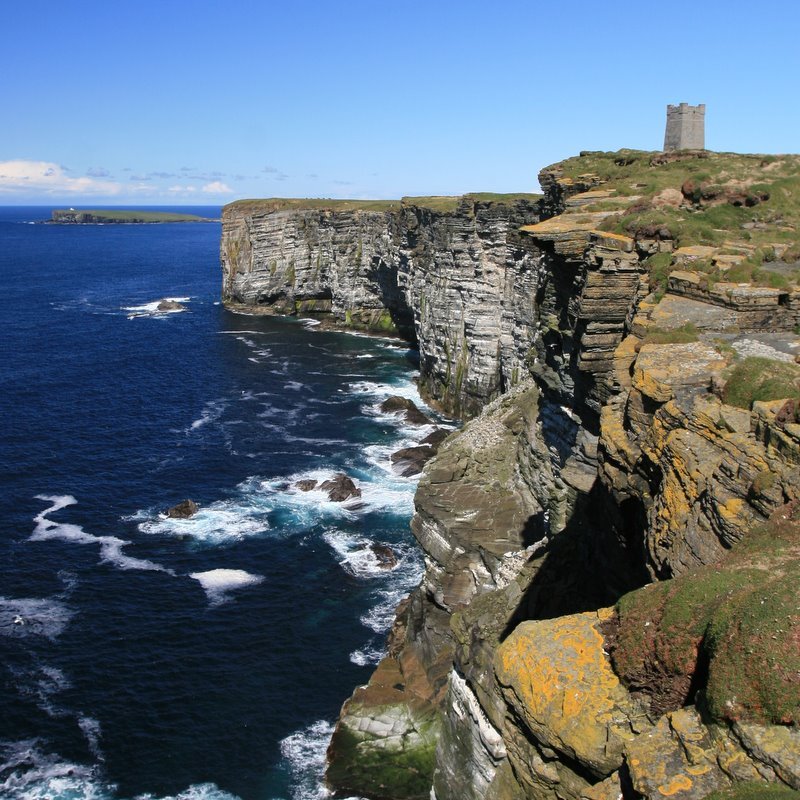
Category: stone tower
[685,127]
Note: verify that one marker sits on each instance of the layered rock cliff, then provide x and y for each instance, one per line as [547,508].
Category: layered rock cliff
[608,607]
[450,275]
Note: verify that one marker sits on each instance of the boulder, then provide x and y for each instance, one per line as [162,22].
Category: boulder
[387,558]
[183,510]
[557,678]
[411,413]
[170,305]
[340,488]
[411,460]
[435,438]
[306,485]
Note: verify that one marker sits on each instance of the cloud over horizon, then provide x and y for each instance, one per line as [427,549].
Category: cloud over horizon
[215,187]
[20,176]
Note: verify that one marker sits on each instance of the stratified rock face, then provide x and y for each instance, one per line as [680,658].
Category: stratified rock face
[478,521]
[461,284]
[316,261]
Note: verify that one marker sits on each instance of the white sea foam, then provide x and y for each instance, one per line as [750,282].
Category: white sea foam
[92,731]
[310,323]
[366,355]
[395,348]
[381,616]
[24,617]
[211,412]
[199,791]
[152,309]
[367,656]
[29,773]
[110,546]
[383,390]
[218,583]
[223,522]
[400,581]
[304,753]
[294,386]
[380,456]
[307,507]
[389,497]
[356,555]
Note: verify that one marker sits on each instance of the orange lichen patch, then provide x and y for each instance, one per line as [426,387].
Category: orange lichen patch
[680,783]
[661,368]
[676,758]
[616,442]
[564,223]
[557,677]
[612,241]
[693,252]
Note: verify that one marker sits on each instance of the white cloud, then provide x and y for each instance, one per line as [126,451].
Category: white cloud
[182,189]
[45,177]
[217,187]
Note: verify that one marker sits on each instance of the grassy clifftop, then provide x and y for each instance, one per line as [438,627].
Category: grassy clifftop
[744,208]
[440,203]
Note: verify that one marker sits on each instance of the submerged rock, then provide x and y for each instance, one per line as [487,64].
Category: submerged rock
[387,558]
[184,510]
[340,488]
[409,408]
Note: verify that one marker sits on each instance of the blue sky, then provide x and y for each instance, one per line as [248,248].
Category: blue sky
[209,101]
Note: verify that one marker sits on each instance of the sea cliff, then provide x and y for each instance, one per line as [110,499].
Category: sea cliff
[608,606]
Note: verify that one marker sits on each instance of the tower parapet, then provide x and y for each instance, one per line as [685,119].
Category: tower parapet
[685,127]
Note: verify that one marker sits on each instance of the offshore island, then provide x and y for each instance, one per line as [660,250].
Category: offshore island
[609,607]
[108,216]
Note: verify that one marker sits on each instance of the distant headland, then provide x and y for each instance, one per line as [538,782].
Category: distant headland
[69,216]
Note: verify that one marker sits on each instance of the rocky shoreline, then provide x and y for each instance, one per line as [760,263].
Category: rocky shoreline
[611,540]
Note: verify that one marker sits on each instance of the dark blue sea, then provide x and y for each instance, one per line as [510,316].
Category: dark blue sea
[207,658]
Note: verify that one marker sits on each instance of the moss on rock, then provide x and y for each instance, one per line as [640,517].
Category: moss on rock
[725,636]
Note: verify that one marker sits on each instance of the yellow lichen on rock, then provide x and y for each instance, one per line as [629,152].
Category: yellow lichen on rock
[557,677]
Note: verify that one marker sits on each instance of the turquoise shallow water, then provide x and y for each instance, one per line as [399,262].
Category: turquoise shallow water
[207,658]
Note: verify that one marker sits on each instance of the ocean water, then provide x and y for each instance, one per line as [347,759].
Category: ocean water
[145,657]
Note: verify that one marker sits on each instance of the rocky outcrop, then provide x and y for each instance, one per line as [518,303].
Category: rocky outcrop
[406,407]
[183,510]
[459,283]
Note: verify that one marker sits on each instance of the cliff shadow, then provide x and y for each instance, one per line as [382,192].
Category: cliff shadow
[393,298]
[588,565]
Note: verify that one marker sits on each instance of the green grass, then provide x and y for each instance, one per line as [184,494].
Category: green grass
[443,203]
[270,204]
[725,203]
[685,334]
[756,378]
[132,215]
